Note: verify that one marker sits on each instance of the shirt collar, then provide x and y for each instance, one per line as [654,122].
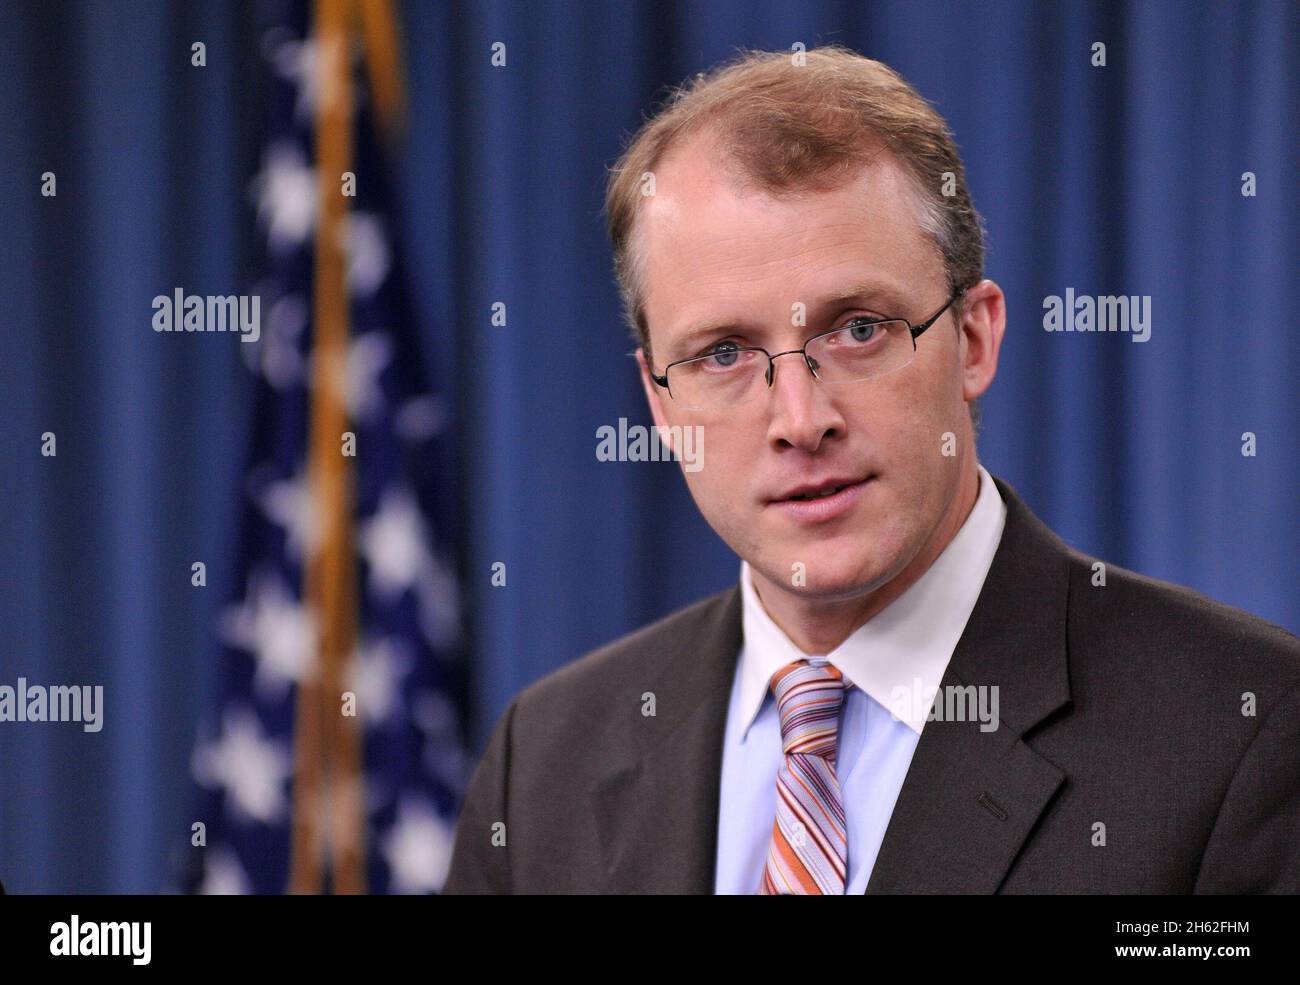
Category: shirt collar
[899,655]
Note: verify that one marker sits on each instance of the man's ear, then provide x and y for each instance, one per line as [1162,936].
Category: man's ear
[982,325]
[653,391]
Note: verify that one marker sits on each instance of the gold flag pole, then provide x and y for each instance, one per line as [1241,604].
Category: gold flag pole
[384,64]
[327,787]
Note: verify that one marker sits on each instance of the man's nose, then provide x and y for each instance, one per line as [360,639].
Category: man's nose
[802,413]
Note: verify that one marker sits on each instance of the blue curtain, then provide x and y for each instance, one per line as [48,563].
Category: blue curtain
[1117,180]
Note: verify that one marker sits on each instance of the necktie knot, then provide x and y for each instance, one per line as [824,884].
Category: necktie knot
[808,699]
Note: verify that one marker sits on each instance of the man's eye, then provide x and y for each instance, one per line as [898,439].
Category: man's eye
[862,328]
[724,353]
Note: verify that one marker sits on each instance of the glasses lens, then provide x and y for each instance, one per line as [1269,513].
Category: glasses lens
[722,378]
[862,349]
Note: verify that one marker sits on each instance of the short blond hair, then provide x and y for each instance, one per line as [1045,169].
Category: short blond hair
[796,121]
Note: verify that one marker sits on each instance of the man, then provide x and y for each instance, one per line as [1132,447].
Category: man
[916,686]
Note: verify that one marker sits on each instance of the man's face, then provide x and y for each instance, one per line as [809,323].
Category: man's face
[717,255]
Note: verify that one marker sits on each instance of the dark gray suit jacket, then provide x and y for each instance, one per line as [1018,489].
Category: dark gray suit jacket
[1121,719]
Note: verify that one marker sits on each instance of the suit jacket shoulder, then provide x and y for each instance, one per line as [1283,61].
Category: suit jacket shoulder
[539,783]
[602,685]
[1130,608]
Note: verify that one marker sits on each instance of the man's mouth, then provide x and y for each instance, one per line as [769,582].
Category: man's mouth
[821,493]
[820,488]
[821,500]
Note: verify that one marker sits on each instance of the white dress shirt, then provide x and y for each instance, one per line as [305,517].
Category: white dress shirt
[895,662]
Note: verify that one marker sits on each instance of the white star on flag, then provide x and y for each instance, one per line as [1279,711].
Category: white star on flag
[279,633]
[365,243]
[393,544]
[290,504]
[285,192]
[297,61]
[418,848]
[222,874]
[368,356]
[376,674]
[276,355]
[252,769]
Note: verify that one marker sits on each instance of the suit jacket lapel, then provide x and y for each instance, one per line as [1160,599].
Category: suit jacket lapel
[971,798]
[657,808]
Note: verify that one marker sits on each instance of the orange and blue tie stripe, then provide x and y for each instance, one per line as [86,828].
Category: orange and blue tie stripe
[809,851]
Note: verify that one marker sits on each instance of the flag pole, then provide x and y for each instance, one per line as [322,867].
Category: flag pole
[384,64]
[328,801]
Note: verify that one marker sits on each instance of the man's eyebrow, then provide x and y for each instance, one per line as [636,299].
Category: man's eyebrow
[878,291]
[707,330]
[869,291]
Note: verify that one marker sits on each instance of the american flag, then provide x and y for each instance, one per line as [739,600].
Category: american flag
[312,779]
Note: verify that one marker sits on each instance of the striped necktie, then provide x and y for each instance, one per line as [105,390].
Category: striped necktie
[809,851]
